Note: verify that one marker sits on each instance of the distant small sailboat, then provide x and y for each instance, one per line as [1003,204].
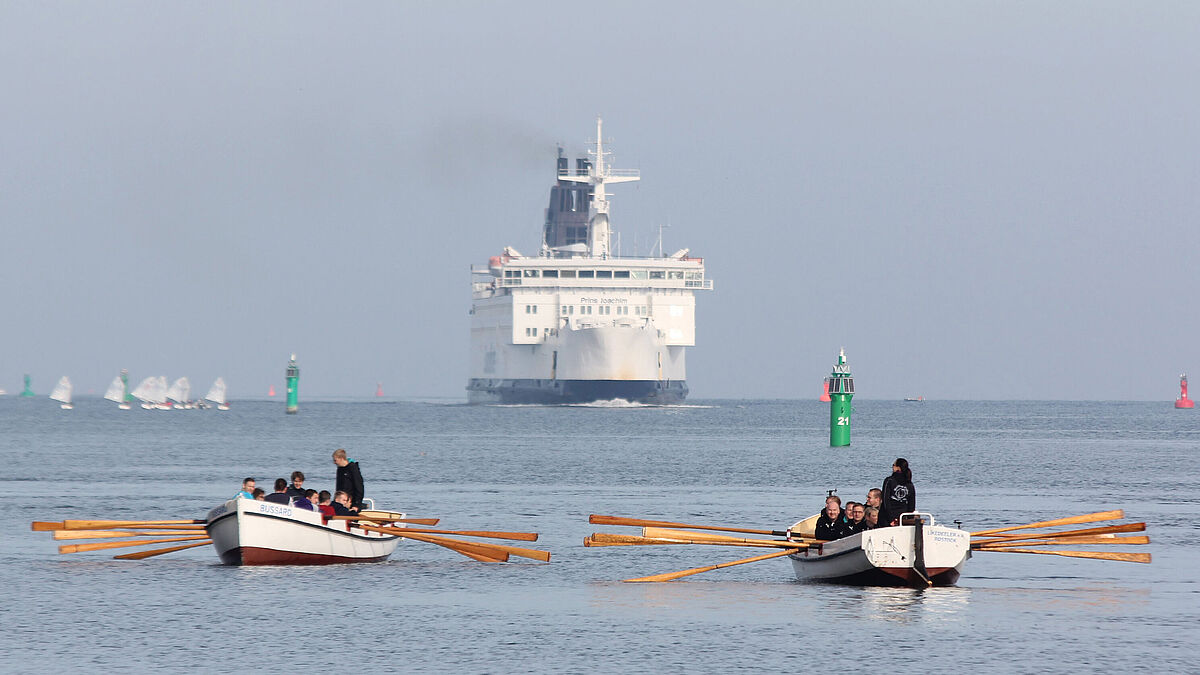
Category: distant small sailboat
[152,392]
[116,393]
[216,394]
[916,399]
[62,393]
[179,392]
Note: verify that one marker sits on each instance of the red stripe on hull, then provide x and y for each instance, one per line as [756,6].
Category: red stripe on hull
[253,555]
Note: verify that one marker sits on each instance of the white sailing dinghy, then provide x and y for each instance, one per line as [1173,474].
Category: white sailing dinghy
[179,392]
[116,393]
[62,393]
[216,394]
[152,392]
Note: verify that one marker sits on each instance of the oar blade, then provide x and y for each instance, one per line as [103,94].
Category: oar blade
[140,555]
[43,526]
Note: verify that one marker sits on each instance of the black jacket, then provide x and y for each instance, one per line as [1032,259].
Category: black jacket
[293,491]
[832,529]
[349,480]
[278,498]
[899,496]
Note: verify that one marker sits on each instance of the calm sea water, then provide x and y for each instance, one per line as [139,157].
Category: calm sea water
[742,463]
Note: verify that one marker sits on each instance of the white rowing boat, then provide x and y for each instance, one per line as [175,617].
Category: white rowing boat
[919,553]
[249,532]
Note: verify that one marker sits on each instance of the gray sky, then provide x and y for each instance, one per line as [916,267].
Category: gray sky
[978,200]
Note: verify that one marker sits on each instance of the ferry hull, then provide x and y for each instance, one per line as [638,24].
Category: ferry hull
[551,392]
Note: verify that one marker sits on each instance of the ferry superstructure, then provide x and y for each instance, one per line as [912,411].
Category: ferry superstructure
[576,323]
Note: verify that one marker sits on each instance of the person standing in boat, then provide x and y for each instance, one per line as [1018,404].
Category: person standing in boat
[349,478]
[899,495]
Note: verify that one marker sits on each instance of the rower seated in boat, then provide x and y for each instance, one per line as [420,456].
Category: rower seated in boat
[832,524]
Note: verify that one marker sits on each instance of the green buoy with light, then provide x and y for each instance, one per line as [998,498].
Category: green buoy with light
[28,393]
[841,390]
[293,386]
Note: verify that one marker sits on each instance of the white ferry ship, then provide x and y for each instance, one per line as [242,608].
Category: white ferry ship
[576,323]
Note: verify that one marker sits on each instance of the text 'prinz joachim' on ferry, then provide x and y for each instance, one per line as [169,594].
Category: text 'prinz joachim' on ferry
[577,323]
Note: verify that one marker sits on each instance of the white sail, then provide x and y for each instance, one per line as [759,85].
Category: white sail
[116,391]
[160,390]
[145,390]
[216,393]
[180,390]
[62,392]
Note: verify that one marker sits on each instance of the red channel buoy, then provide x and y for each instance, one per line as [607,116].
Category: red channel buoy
[1183,401]
[825,394]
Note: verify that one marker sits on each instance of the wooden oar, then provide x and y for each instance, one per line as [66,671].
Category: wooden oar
[159,551]
[106,534]
[1066,534]
[80,548]
[1070,520]
[666,533]
[513,550]
[42,526]
[1099,555]
[671,576]
[512,536]
[637,522]
[1100,540]
[385,519]
[471,549]
[109,524]
[606,539]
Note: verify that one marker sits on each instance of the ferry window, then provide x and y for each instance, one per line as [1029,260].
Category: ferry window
[603,274]
[638,274]
[567,274]
[621,274]
[535,309]
[528,310]
[671,274]
[586,274]
[564,310]
[693,275]
[657,274]
[550,273]
[508,274]
[570,309]
[531,273]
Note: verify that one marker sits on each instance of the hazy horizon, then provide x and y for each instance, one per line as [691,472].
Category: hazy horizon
[978,201]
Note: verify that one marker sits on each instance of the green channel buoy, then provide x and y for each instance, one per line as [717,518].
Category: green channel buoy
[841,390]
[28,393]
[293,386]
